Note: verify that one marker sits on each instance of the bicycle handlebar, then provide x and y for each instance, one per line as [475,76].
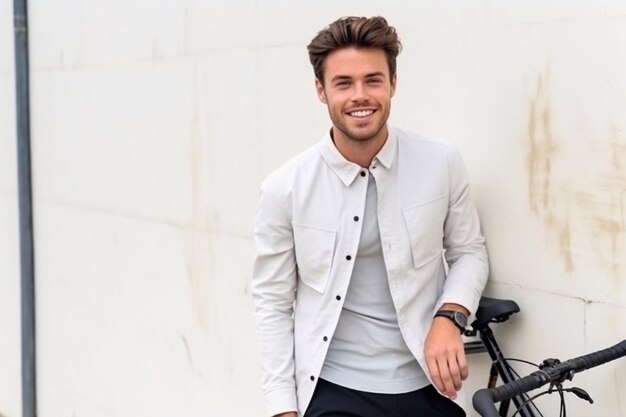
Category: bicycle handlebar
[484,399]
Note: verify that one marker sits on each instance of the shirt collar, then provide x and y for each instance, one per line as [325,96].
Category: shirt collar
[347,171]
[387,153]
[344,169]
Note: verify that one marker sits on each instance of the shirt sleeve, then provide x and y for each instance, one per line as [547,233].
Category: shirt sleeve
[273,291]
[464,244]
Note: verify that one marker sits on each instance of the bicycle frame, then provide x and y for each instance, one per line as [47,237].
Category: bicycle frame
[500,366]
[504,370]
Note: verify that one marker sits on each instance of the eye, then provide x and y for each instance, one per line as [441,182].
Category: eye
[342,84]
[374,81]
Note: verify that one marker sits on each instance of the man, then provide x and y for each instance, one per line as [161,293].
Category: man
[356,314]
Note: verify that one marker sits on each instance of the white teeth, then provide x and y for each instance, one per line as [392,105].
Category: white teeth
[361,113]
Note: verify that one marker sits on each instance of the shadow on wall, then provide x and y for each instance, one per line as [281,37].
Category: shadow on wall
[577,188]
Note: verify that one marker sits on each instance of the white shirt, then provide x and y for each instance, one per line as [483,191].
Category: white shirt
[367,351]
[306,240]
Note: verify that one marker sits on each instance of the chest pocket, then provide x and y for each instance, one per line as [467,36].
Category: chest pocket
[315,249]
[424,222]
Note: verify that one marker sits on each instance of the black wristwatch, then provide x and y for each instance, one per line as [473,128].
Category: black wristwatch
[459,319]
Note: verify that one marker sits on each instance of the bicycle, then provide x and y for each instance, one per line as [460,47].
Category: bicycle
[514,387]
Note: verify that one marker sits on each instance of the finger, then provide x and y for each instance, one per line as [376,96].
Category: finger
[455,371]
[463,365]
[433,370]
[446,377]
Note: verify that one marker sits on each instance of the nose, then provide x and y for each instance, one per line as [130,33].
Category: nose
[359,92]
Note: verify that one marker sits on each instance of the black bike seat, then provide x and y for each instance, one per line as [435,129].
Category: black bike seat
[493,310]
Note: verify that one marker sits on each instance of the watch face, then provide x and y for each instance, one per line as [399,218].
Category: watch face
[460,319]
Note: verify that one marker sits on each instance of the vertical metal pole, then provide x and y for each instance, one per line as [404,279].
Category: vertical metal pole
[27,268]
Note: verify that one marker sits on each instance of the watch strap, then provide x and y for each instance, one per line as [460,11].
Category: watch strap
[453,317]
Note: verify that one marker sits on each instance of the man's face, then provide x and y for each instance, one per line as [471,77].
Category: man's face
[357,90]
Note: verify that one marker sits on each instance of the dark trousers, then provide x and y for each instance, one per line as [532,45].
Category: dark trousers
[332,400]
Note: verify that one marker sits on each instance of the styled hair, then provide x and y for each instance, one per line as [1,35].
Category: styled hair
[360,32]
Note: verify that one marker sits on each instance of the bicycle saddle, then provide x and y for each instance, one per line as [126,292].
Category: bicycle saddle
[493,310]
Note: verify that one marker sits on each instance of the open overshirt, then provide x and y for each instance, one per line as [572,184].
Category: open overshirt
[307,234]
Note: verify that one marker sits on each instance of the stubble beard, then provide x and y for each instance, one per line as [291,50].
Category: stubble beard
[355,136]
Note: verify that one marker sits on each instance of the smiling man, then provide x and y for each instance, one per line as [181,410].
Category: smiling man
[357,314]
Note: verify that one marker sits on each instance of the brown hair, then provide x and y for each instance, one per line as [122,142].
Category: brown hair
[361,32]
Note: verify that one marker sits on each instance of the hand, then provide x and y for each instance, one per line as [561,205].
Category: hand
[287,414]
[445,357]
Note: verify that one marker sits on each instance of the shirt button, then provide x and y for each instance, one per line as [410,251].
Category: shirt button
[356,218]
[362,173]
[325,339]
[348,257]
[338,297]
[312,378]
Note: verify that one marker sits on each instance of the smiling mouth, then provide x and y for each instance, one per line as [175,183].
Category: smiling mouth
[361,114]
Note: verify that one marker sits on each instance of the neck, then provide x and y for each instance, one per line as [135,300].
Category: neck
[360,152]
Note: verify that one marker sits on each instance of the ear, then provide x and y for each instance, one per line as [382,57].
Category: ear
[319,87]
[394,80]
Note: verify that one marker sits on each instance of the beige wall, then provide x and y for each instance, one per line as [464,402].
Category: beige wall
[154,123]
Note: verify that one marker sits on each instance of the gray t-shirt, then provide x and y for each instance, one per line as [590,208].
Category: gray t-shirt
[367,351]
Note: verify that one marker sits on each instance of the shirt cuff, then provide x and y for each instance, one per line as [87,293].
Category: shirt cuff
[281,401]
